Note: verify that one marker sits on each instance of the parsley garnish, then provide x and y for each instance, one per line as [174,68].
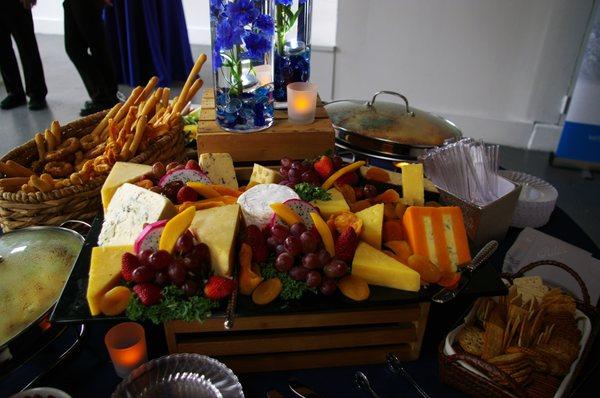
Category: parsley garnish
[173,306]
[308,192]
[291,289]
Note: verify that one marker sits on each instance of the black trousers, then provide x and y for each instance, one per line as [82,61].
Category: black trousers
[86,46]
[16,21]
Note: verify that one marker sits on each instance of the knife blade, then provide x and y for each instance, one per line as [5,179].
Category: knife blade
[466,272]
[301,390]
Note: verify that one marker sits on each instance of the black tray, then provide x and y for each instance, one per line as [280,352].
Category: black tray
[72,305]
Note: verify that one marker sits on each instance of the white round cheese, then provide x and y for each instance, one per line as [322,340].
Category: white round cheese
[255,202]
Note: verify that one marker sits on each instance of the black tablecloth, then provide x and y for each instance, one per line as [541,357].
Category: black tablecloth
[89,373]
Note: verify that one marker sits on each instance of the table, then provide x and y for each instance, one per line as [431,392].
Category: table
[89,373]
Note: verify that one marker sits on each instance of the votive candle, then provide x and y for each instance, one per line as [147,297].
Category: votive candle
[302,102]
[126,344]
[264,75]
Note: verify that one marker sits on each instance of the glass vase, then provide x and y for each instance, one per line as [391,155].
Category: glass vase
[292,45]
[242,46]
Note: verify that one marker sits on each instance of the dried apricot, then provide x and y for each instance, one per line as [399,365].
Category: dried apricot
[360,205]
[354,288]
[377,174]
[388,196]
[400,209]
[400,248]
[115,300]
[389,211]
[347,192]
[147,184]
[346,219]
[429,271]
[248,278]
[392,230]
[267,291]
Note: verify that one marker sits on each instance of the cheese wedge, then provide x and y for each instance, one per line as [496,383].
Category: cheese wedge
[377,268]
[129,210]
[264,175]
[372,218]
[413,189]
[217,228]
[335,205]
[439,234]
[105,273]
[121,173]
[219,168]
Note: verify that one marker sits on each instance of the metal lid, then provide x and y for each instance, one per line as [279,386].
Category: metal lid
[388,127]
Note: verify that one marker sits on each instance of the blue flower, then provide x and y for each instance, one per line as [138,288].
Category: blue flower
[301,1]
[217,62]
[264,23]
[228,34]
[242,12]
[286,3]
[257,45]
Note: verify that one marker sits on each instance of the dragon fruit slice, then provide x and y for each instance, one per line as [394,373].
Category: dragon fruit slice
[149,237]
[185,176]
[303,209]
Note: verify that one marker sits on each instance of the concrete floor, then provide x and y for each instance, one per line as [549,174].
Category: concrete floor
[578,196]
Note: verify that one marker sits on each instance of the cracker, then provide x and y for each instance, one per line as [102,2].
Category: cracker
[470,339]
[492,340]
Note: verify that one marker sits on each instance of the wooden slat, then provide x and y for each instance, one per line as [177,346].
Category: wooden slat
[406,313]
[208,114]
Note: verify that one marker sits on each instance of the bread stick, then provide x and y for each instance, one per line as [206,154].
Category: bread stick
[40,143]
[40,184]
[147,90]
[50,141]
[12,183]
[165,96]
[104,122]
[188,83]
[149,106]
[17,169]
[55,130]
[193,91]
[128,104]
[139,133]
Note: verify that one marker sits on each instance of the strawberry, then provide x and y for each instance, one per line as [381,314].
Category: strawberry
[324,166]
[348,178]
[129,262]
[345,244]
[256,239]
[218,288]
[148,293]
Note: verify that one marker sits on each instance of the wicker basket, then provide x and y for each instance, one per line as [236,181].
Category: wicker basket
[20,209]
[461,378]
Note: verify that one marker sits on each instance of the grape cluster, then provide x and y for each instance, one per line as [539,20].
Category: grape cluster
[296,171]
[175,191]
[187,267]
[301,254]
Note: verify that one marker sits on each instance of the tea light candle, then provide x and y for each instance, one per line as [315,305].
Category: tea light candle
[263,74]
[302,102]
[126,344]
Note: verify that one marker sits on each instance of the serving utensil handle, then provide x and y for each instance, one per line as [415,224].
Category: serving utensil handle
[372,102]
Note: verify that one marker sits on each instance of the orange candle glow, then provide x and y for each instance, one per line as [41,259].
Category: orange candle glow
[302,102]
[126,344]
[263,74]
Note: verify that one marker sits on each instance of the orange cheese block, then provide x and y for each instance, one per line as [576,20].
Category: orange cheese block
[439,234]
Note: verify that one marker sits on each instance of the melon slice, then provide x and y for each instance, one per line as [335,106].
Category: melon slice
[175,227]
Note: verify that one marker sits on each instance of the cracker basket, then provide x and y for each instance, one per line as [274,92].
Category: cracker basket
[82,202]
[454,374]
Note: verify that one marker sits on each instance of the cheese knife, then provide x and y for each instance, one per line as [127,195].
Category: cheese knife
[446,294]
[301,390]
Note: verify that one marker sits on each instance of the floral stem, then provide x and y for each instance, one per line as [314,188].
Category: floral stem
[238,65]
[281,29]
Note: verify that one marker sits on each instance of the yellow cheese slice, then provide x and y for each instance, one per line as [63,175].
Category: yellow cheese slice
[377,268]
[413,190]
[336,204]
[121,173]
[264,175]
[105,272]
[372,218]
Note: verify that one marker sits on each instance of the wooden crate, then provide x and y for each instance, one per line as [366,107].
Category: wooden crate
[283,139]
[299,341]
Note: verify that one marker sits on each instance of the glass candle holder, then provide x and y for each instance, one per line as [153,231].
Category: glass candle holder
[126,344]
[302,102]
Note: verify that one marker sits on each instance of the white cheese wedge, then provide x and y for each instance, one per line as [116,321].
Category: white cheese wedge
[219,168]
[255,202]
[130,208]
[121,173]
[264,175]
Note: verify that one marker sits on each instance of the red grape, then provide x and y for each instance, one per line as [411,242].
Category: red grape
[192,165]
[311,261]
[201,252]
[171,189]
[144,256]
[309,243]
[293,245]
[337,161]
[370,191]
[160,259]
[142,274]
[297,229]
[159,170]
[186,194]
[161,278]
[296,164]
[335,269]
[157,189]
[284,171]
[279,249]
[185,243]
[311,177]
[359,193]
[298,273]
[294,176]
[177,272]
[272,242]
[313,279]
[328,286]
[286,162]
[280,232]
[324,257]
[190,287]
[306,165]
[284,262]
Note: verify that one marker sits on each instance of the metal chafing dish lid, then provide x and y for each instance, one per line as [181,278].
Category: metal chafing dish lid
[388,127]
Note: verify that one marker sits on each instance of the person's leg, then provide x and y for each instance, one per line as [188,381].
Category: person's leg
[9,68]
[33,70]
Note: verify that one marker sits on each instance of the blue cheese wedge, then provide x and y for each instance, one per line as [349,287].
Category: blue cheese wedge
[219,168]
[255,202]
[130,208]
[264,175]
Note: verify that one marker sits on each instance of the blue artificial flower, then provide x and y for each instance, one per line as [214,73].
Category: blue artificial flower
[264,23]
[228,34]
[286,3]
[257,45]
[217,62]
[242,12]
[301,1]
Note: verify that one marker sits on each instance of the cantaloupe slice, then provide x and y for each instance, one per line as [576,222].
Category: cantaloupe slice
[372,218]
[325,233]
[174,228]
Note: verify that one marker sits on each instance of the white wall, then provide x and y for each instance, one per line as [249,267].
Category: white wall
[495,67]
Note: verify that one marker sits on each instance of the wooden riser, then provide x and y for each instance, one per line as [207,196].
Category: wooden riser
[280,342]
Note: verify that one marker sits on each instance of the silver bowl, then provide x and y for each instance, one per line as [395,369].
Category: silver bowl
[181,375]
